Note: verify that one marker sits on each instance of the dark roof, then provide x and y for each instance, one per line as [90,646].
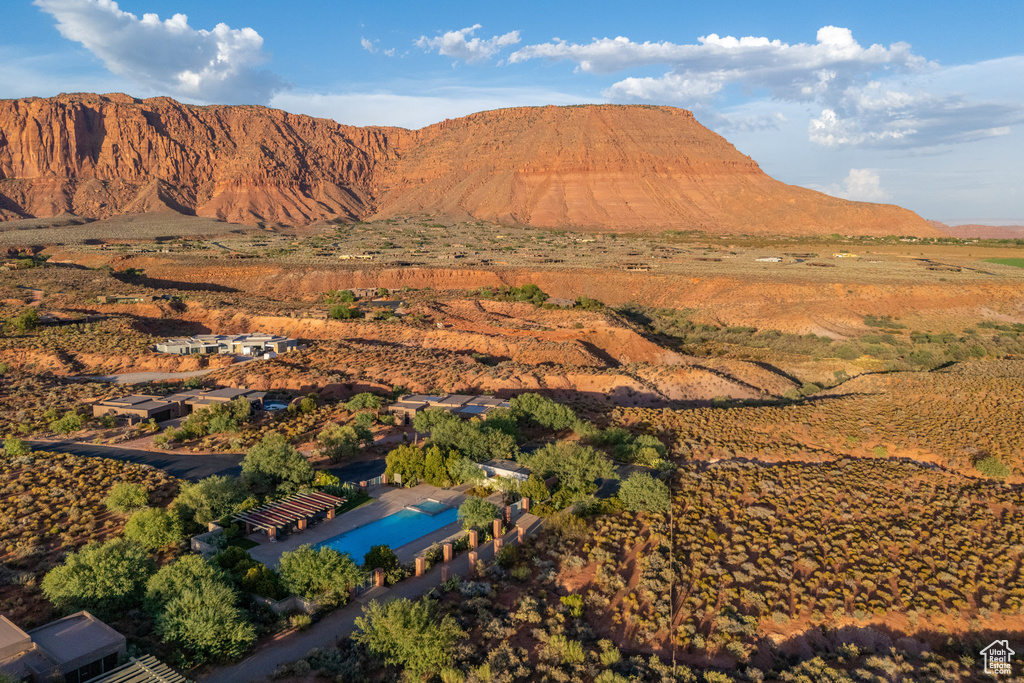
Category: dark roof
[75,636]
[147,669]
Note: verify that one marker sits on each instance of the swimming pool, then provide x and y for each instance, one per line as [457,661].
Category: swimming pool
[429,506]
[395,530]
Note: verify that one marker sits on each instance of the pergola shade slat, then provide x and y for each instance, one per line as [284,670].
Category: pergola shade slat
[287,510]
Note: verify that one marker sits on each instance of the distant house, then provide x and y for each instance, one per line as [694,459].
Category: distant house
[239,344]
[463,405]
[74,649]
[127,298]
[844,254]
[505,469]
[141,407]
[770,259]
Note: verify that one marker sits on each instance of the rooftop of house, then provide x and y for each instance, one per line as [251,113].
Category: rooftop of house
[133,400]
[12,639]
[75,636]
[506,466]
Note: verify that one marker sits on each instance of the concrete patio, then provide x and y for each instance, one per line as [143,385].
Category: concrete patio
[389,501]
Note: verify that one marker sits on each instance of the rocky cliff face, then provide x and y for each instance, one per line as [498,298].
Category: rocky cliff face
[604,167]
[101,155]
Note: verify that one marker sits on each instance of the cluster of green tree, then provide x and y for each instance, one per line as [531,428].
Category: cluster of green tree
[344,312]
[577,466]
[192,604]
[68,423]
[530,293]
[477,513]
[26,321]
[274,466]
[434,465]
[340,442]
[479,440]
[641,492]
[321,574]
[643,449]
[217,419]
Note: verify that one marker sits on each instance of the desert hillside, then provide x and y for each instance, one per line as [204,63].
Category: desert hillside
[628,168]
[622,168]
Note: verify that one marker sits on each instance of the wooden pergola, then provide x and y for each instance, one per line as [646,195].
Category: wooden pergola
[296,509]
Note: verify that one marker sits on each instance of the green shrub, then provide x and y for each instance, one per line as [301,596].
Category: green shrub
[126,497]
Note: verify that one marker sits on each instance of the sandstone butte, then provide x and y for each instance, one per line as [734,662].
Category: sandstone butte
[601,167]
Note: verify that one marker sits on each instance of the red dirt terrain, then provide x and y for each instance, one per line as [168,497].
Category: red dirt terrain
[623,168]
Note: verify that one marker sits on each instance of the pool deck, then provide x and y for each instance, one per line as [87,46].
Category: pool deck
[390,501]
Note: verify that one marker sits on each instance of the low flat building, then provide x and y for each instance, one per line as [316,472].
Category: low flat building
[505,469]
[238,344]
[463,405]
[75,649]
[141,407]
[195,399]
[769,259]
[128,298]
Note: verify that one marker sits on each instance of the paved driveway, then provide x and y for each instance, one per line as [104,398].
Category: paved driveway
[184,466]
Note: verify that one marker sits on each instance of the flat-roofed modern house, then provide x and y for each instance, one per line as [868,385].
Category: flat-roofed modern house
[506,469]
[463,405]
[76,648]
[140,408]
[238,344]
[194,399]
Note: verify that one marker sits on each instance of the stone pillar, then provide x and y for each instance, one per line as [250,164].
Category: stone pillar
[363,485]
[378,577]
[508,513]
[272,532]
[472,562]
[384,479]
[497,544]
[522,534]
[447,552]
[330,513]
[474,538]
[444,573]
[421,566]
[526,504]
[497,528]
[301,524]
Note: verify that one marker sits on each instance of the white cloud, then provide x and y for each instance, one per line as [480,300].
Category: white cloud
[860,184]
[867,96]
[367,45]
[169,56]
[795,71]
[458,44]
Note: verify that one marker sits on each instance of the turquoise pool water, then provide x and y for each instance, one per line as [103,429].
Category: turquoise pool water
[394,530]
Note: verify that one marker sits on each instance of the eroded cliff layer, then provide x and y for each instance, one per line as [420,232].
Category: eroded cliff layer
[623,168]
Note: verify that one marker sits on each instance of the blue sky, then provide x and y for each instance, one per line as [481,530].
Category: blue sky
[915,103]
